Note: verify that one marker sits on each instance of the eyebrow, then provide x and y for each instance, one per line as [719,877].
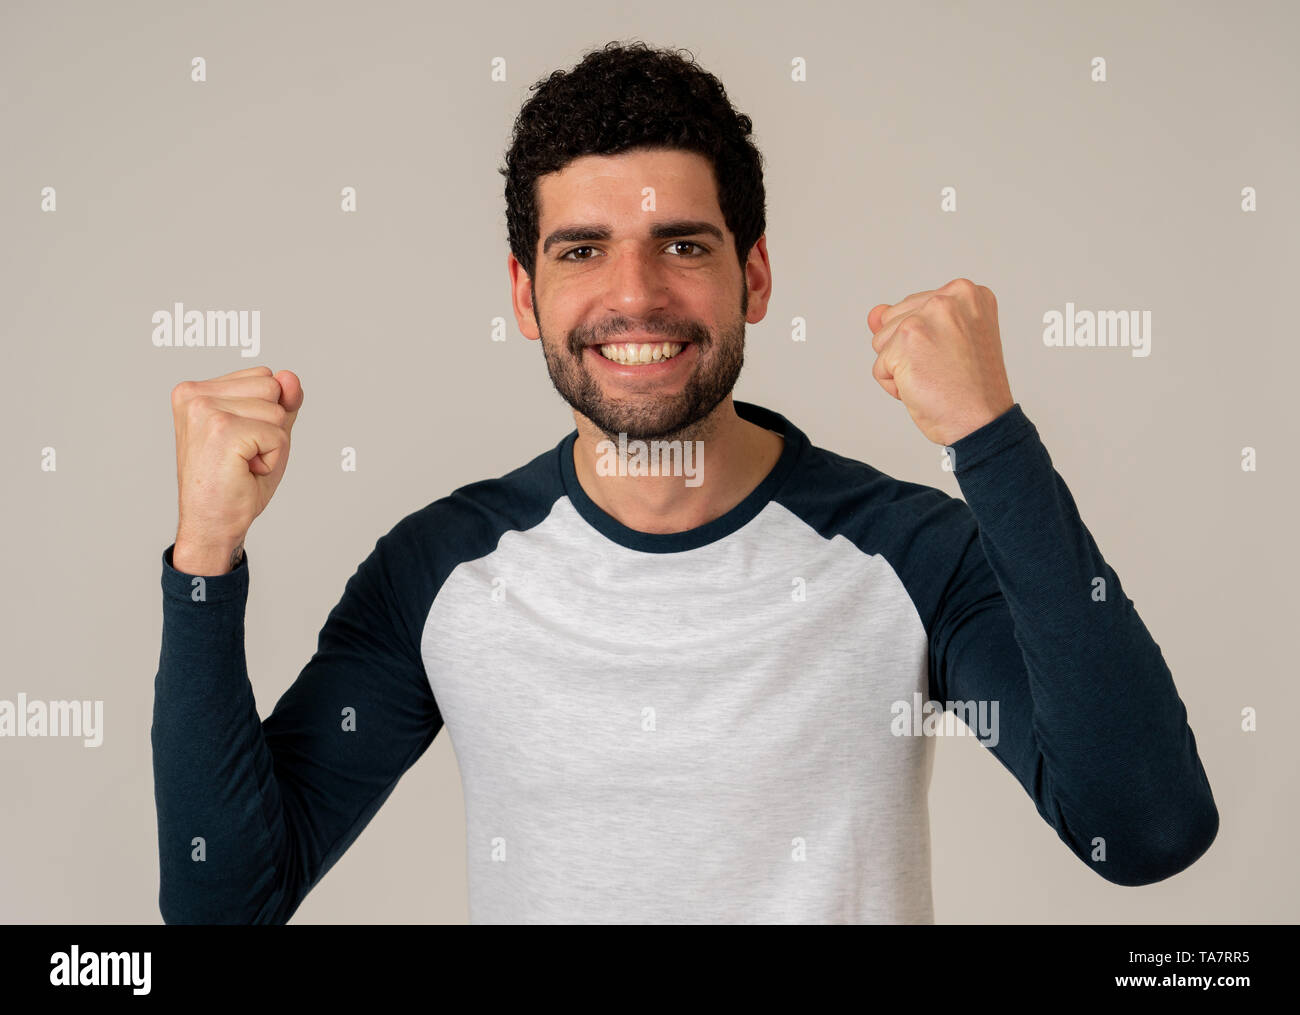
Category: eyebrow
[658,231]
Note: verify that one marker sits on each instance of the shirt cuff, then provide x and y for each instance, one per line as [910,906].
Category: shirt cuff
[994,436]
[217,588]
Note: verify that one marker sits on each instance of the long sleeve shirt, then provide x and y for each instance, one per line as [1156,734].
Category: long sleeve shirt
[734,723]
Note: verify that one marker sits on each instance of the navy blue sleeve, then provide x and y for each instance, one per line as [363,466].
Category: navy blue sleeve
[251,813]
[1090,722]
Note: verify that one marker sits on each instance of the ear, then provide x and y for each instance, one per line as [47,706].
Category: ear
[521,298]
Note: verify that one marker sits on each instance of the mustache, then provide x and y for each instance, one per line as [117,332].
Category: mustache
[670,331]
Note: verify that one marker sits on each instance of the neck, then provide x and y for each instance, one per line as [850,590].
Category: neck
[732,457]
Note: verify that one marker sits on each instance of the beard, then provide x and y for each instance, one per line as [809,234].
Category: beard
[677,416]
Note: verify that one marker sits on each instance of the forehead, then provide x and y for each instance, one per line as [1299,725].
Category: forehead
[611,186]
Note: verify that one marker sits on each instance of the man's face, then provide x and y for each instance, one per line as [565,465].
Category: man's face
[609,273]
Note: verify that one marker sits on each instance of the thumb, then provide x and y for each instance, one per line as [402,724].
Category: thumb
[291,395]
[875,314]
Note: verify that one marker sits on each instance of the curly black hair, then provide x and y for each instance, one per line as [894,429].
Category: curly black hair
[625,96]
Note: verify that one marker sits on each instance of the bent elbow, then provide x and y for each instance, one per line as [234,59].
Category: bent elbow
[188,906]
[1166,856]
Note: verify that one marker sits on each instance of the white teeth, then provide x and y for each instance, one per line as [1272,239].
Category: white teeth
[631,353]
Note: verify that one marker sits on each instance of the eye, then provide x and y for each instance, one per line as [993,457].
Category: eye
[676,243]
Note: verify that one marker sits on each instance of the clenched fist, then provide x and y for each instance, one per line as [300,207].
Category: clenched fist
[232,446]
[939,352]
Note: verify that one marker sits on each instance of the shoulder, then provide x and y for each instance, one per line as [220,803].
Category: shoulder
[880,513]
[469,522]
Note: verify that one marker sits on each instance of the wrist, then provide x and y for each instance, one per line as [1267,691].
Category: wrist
[206,558]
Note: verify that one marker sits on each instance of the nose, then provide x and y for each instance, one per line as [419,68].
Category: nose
[635,283]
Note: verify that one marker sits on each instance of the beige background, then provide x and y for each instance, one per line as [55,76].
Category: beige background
[225,195]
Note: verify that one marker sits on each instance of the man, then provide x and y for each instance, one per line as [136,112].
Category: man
[702,694]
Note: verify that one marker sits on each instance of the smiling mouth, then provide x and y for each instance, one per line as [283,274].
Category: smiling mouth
[634,353]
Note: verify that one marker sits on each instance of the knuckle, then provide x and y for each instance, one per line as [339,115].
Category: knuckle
[219,421]
[943,303]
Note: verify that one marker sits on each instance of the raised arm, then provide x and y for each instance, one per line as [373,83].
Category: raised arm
[1090,722]
[251,814]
